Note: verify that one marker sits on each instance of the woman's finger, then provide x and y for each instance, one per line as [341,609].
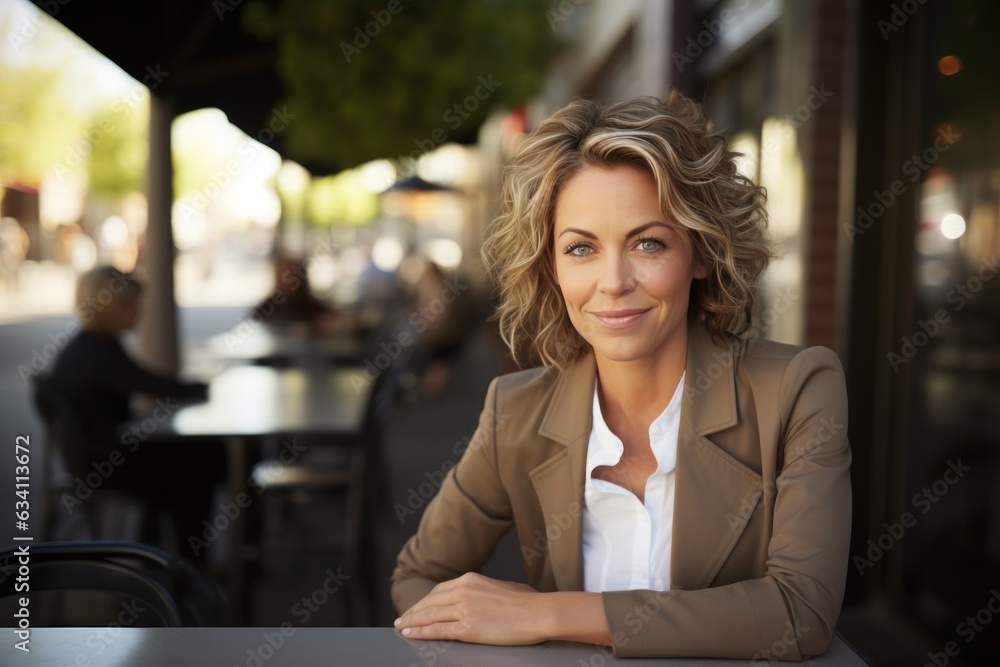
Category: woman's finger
[428,616]
[437,597]
[445,630]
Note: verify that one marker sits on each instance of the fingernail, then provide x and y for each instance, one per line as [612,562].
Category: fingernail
[406,632]
[397,622]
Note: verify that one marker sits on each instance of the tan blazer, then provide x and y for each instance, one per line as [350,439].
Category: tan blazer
[762,504]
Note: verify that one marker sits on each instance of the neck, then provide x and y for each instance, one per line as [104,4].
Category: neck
[100,331]
[634,393]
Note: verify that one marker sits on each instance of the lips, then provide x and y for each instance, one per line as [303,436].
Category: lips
[620,319]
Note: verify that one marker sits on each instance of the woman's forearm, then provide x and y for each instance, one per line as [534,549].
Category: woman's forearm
[575,616]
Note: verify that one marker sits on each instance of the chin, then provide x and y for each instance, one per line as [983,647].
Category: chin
[621,352]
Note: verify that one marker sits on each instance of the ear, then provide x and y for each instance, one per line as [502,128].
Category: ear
[701,269]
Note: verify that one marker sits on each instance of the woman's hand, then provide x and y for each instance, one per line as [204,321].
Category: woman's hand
[480,610]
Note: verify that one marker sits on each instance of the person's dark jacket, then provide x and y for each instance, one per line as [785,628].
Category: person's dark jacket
[98,378]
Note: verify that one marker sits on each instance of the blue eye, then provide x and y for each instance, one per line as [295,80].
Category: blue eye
[572,250]
[651,245]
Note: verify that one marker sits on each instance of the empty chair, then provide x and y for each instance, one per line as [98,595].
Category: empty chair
[168,591]
[351,469]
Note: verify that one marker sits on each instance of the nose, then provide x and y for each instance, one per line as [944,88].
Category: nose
[617,275]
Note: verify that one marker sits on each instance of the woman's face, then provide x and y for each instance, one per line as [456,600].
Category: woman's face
[625,271]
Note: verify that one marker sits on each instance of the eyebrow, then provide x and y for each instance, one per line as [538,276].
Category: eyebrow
[638,230]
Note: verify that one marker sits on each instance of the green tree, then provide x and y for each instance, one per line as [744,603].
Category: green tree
[116,165]
[36,123]
[367,80]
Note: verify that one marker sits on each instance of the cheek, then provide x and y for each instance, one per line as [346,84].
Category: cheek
[573,287]
[665,279]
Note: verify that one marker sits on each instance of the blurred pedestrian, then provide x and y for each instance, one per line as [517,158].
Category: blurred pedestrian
[446,313]
[291,303]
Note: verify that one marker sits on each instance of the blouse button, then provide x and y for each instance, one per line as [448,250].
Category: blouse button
[655,429]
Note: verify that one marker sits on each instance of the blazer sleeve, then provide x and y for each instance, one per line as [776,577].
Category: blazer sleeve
[789,613]
[463,523]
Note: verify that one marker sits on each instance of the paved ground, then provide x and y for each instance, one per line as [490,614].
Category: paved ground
[420,440]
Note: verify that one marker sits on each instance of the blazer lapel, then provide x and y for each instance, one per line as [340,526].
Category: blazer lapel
[714,494]
[559,480]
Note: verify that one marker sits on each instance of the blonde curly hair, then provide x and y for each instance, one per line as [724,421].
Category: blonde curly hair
[722,211]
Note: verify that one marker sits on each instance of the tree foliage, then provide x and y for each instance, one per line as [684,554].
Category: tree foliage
[118,138]
[36,123]
[390,78]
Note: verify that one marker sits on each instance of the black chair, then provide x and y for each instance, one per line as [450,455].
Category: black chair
[65,443]
[352,468]
[167,587]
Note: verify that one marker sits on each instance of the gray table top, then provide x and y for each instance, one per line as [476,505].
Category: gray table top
[274,647]
[257,401]
[248,343]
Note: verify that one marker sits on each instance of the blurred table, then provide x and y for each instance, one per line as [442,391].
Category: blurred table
[249,404]
[267,345]
[298,646]
[256,401]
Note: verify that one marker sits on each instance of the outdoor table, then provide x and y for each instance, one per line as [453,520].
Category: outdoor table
[249,404]
[249,342]
[299,647]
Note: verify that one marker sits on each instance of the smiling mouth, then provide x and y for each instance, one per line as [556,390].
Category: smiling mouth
[620,319]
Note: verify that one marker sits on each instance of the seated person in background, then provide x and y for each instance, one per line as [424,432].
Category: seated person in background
[98,378]
[447,313]
[292,303]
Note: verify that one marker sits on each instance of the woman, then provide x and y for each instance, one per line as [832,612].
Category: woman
[678,486]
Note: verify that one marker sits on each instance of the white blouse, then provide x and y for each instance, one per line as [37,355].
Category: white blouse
[626,544]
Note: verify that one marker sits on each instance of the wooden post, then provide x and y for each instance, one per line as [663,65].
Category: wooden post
[158,319]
